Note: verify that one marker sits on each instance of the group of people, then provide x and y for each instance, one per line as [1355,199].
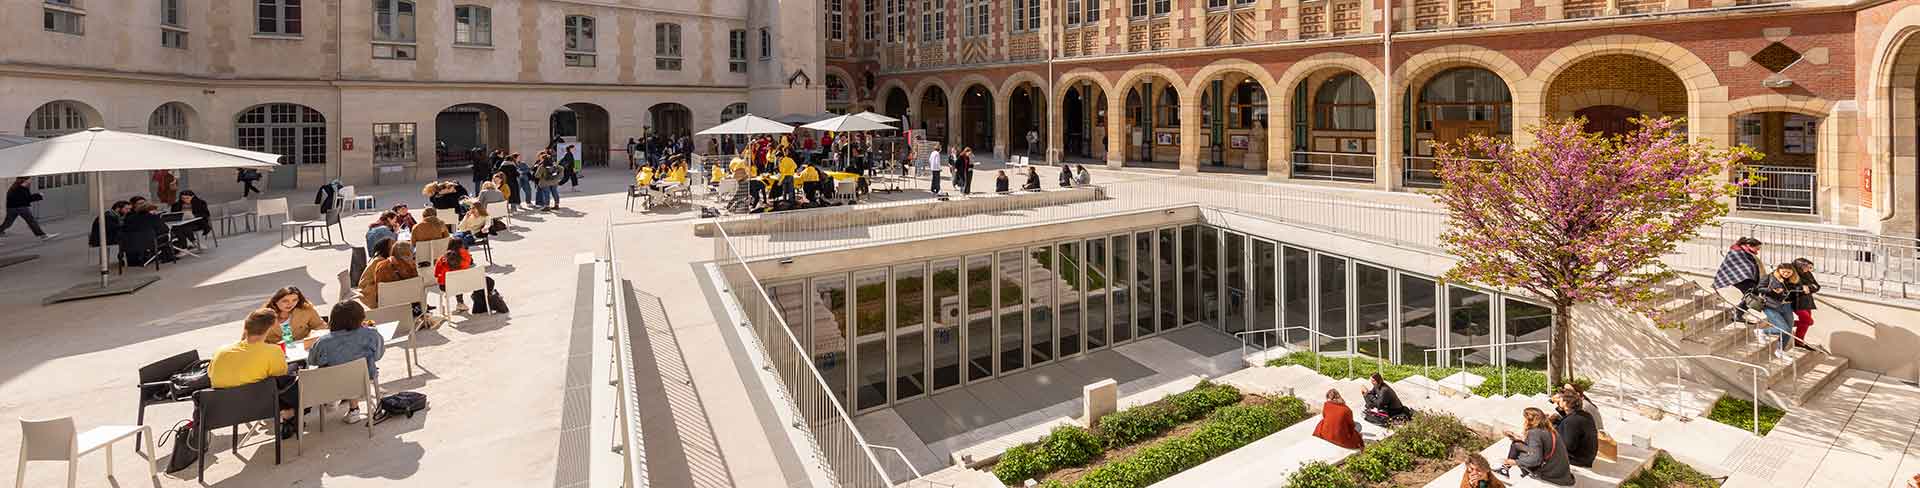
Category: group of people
[1383,408]
[1784,294]
[503,177]
[289,317]
[1546,449]
[962,164]
[139,227]
[653,149]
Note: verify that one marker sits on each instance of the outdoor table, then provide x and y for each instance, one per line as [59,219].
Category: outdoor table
[297,351]
[171,226]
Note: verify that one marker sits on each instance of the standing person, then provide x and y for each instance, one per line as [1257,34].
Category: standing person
[247,177]
[1537,452]
[1033,141]
[1803,300]
[547,177]
[633,146]
[963,171]
[525,172]
[482,169]
[1577,432]
[510,179]
[1774,291]
[20,198]
[570,168]
[1740,269]
[933,166]
[1336,423]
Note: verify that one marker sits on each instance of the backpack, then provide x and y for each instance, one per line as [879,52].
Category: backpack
[402,403]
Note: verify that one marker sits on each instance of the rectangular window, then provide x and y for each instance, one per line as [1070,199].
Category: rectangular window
[65,22]
[1012,310]
[1093,11]
[766,44]
[737,51]
[870,20]
[1041,288]
[393,33]
[835,29]
[1213,4]
[173,33]
[580,41]
[169,13]
[393,142]
[666,47]
[1020,16]
[979,321]
[1139,8]
[830,356]
[910,327]
[1033,14]
[277,17]
[1162,7]
[472,25]
[172,38]
[1073,12]
[933,20]
[946,327]
[978,13]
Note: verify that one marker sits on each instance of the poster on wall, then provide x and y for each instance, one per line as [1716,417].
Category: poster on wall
[1166,139]
[1237,141]
[565,148]
[1352,145]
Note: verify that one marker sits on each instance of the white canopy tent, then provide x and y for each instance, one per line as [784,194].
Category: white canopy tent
[97,151]
[748,124]
[876,117]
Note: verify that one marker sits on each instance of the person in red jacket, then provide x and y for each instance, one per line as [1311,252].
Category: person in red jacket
[456,259]
[1336,423]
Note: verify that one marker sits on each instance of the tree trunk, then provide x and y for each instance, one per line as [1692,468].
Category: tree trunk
[1559,355]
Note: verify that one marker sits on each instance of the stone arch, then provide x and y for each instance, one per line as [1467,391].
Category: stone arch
[1706,97]
[1254,71]
[1774,102]
[963,123]
[1298,72]
[1014,80]
[1140,70]
[1413,75]
[1116,118]
[880,94]
[920,89]
[1891,148]
[1056,98]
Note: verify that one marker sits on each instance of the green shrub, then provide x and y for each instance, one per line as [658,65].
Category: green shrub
[1203,398]
[1442,429]
[1051,484]
[1667,472]
[1069,445]
[1290,409]
[1227,429]
[1520,380]
[1133,425]
[1739,413]
[1320,475]
[1366,466]
[1019,463]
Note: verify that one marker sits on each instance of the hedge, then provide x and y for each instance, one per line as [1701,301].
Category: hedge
[1068,446]
[1227,429]
[1520,381]
[1425,437]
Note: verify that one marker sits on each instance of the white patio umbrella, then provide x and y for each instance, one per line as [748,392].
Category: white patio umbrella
[97,151]
[847,123]
[876,117]
[748,124]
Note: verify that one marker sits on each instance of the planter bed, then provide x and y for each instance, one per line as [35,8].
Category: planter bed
[1520,381]
[1416,454]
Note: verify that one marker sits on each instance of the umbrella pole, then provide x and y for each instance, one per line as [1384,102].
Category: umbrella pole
[100,220]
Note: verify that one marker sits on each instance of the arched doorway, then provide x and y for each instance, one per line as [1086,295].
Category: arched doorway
[62,194]
[1153,121]
[1333,127]
[933,114]
[170,120]
[1453,105]
[1789,146]
[976,119]
[584,124]
[1083,113]
[1027,112]
[671,119]
[1233,122]
[1611,120]
[896,104]
[1611,89]
[297,133]
[467,131]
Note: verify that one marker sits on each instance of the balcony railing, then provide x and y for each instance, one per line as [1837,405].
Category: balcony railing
[1784,189]
[1333,166]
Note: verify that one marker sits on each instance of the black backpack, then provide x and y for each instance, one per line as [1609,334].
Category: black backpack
[402,403]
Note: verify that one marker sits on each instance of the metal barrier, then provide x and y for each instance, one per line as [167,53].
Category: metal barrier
[1426,363]
[842,452]
[1619,389]
[1420,172]
[1378,343]
[1844,258]
[627,434]
[1333,166]
[1785,189]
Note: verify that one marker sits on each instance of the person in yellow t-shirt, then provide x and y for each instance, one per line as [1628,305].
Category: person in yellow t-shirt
[678,174]
[644,178]
[787,166]
[253,360]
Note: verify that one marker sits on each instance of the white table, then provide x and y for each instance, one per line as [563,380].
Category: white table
[171,226]
[297,351]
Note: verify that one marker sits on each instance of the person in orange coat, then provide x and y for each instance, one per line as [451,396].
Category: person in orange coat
[1336,423]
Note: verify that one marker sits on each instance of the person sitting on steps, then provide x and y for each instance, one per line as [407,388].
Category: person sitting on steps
[1383,405]
[1576,428]
[1538,452]
[1336,423]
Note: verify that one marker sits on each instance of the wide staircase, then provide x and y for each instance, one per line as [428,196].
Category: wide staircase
[1702,327]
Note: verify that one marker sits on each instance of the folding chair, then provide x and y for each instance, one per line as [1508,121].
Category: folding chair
[325,386]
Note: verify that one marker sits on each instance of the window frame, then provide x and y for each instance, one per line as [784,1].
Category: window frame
[287,19]
[978,15]
[836,20]
[766,44]
[1323,111]
[301,124]
[737,51]
[933,20]
[870,20]
[408,152]
[63,18]
[666,46]
[581,48]
[479,28]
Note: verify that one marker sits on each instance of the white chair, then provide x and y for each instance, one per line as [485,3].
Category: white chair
[430,251]
[269,207]
[324,386]
[724,194]
[497,211]
[58,440]
[462,283]
[352,199]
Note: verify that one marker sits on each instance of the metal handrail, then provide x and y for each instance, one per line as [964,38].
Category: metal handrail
[1791,363]
[1424,363]
[1755,392]
[1378,344]
[627,440]
[901,455]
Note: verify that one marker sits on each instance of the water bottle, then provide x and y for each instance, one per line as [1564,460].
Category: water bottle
[286,332]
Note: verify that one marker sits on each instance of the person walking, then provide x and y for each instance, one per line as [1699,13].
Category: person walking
[570,168]
[247,177]
[1740,269]
[933,165]
[1775,291]
[1803,300]
[963,171]
[20,198]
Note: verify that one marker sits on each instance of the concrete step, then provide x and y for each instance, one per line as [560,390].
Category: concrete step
[1721,336]
[955,477]
[1814,378]
[1604,474]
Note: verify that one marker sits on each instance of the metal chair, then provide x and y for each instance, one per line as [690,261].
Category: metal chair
[727,188]
[230,407]
[156,384]
[397,299]
[239,211]
[58,440]
[324,386]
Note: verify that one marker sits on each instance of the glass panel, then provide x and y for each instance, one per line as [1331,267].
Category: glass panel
[979,317]
[870,319]
[909,319]
[1418,312]
[1236,302]
[829,333]
[1041,283]
[1097,289]
[1189,275]
[1013,268]
[1333,302]
[788,299]
[1210,276]
[1296,295]
[1143,292]
[1123,287]
[1469,323]
[1068,272]
[1169,277]
[1371,286]
[1527,322]
[946,323]
[1266,307]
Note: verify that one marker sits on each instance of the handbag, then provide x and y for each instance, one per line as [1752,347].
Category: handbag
[496,227]
[191,379]
[187,445]
[1609,450]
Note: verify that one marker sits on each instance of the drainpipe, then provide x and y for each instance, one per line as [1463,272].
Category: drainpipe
[1386,49]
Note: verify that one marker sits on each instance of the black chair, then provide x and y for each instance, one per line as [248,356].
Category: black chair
[156,385]
[486,245]
[230,407]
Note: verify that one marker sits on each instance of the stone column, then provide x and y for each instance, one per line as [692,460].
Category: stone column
[1055,132]
[1116,143]
[1001,108]
[1190,133]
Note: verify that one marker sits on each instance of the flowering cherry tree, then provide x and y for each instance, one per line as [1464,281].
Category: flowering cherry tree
[1579,217]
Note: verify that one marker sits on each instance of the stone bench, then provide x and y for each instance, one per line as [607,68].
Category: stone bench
[1603,474]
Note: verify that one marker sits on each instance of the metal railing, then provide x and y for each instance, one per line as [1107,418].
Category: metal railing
[627,434]
[841,451]
[903,458]
[1426,358]
[1379,363]
[1678,383]
[1785,189]
[1423,171]
[1333,166]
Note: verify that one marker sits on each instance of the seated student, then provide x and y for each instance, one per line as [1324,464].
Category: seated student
[192,203]
[430,226]
[1033,180]
[403,217]
[397,264]
[253,360]
[350,339]
[1587,404]
[1066,176]
[489,193]
[1538,452]
[1576,428]
[643,179]
[474,226]
[457,258]
[808,179]
[140,236]
[1336,423]
[1000,182]
[1383,405]
[294,316]
[678,174]
[116,216]
[1082,178]
[381,230]
[1479,474]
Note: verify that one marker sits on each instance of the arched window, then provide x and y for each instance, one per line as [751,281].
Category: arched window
[1248,105]
[836,89]
[1466,95]
[1136,110]
[169,120]
[1166,112]
[1344,102]
[57,119]
[295,131]
[733,112]
[393,33]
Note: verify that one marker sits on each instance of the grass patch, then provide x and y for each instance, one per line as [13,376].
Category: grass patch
[1667,472]
[1739,413]
[1520,381]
